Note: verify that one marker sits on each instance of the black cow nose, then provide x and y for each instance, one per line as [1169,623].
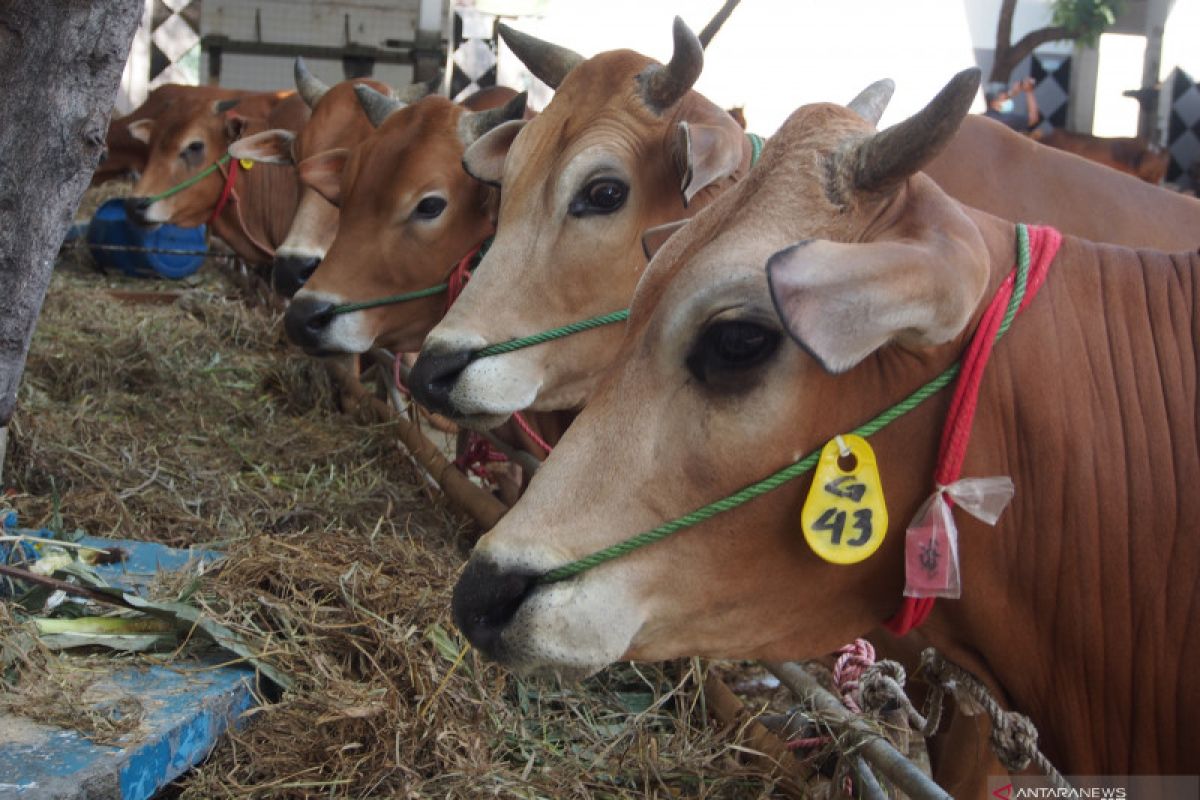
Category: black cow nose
[433,378]
[290,273]
[306,320]
[485,600]
[135,209]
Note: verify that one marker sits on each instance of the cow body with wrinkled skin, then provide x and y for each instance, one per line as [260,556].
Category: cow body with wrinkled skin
[587,265]
[191,135]
[1089,403]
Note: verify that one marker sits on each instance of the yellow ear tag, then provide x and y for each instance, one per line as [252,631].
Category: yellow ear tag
[845,516]
[246,163]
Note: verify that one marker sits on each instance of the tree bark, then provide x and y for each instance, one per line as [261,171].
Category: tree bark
[1009,55]
[60,66]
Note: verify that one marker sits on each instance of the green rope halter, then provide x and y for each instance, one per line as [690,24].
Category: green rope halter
[404,297]
[805,464]
[756,146]
[192,181]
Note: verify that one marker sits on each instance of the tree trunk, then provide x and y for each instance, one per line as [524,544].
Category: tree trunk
[1000,66]
[60,66]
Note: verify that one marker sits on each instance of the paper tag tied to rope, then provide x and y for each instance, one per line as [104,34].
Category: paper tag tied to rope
[845,518]
[931,541]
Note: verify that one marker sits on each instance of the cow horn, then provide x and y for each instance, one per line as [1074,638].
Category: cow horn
[548,62]
[377,107]
[872,101]
[714,24]
[662,87]
[883,160]
[472,125]
[414,92]
[308,85]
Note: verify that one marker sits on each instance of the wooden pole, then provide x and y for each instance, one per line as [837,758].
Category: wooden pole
[60,66]
[480,504]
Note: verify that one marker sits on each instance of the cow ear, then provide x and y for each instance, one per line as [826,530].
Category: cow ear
[484,160]
[267,147]
[706,154]
[841,302]
[323,173]
[235,126]
[656,237]
[142,130]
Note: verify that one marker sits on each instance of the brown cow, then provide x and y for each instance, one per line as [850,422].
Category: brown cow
[1078,608]
[192,134]
[337,121]
[409,214]
[587,264]
[125,154]
[1136,157]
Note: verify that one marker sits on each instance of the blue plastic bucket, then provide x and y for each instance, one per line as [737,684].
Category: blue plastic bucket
[110,226]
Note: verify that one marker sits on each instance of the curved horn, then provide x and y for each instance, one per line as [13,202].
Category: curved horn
[377,107]
[548,62]
[714,24]
[872,101]
[883,160]
[414,92]
[662,87]
[472,125]
[308,85]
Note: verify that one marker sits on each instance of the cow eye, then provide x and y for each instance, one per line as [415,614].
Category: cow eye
[728,348]
[194,148]
[430,207]
[601,196]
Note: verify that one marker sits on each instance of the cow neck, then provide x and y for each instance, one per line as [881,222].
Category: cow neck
[1036,248]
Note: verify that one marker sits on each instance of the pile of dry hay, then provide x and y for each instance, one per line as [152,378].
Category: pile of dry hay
[192,422]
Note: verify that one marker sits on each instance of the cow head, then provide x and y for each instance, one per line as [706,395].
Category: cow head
[338,120]
[624,145]
[189,135]
[408,214]
[826,286]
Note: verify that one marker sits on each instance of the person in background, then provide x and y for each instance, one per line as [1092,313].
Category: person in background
[1001,105]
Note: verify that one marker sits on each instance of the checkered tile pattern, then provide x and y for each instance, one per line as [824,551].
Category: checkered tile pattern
[174,41]
[1183,129]
[473,53]
[1053,77]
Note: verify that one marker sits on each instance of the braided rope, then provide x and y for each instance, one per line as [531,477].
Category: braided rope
[553,333]
[1014,737]
[346,308]
[192,181]
[801,467]
[756,147]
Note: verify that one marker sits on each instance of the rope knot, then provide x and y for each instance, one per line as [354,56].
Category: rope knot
[853,660]
[1014,740]
[881,687]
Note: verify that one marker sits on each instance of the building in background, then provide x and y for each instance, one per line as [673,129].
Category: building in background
[771,57]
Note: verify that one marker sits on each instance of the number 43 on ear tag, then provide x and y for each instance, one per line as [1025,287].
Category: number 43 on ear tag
[845,517]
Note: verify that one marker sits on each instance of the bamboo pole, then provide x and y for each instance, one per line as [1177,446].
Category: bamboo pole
[477,502]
